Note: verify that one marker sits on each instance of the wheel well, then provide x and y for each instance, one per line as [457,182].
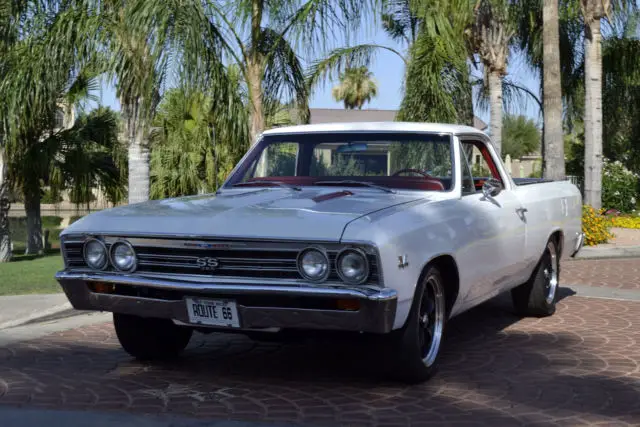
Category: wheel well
[558,238]
[449,270]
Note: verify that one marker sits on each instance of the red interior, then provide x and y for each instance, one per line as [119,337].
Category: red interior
[404,182]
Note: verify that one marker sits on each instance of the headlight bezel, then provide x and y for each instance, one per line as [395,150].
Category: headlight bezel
[104,249]
[112,259]
[365,259]
[324,254]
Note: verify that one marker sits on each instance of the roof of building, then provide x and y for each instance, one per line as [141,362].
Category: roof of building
[377,127]
[339,115]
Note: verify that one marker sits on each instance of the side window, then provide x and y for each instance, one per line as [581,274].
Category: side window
[468,186]
[480,160]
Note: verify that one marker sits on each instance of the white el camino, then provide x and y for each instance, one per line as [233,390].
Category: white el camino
[371,228]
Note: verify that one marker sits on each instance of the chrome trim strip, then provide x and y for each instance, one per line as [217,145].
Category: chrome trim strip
[364,293]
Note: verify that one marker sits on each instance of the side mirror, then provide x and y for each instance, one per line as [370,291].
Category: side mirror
[491,187]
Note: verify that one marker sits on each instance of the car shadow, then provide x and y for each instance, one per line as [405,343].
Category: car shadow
[496,369]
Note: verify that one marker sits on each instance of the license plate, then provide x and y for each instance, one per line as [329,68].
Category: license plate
[213,312]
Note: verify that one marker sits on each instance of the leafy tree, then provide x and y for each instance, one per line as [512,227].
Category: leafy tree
[356,87]
[520,136]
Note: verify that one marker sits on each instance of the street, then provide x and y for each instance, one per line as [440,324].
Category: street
[578,367]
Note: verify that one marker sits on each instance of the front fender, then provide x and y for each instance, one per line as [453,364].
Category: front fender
[407,241]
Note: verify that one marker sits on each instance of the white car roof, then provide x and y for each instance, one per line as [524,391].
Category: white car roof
[377,127]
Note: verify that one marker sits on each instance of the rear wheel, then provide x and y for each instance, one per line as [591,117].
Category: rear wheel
[415,348]
[150,339]
[538,296]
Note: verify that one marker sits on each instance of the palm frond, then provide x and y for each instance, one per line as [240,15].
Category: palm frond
[338,60]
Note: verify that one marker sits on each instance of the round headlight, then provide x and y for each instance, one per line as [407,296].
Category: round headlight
[353,266]
[95,254]
[313,265]
[123,256]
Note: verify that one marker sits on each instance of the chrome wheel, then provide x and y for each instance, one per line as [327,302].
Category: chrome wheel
[550,273]
[431,320]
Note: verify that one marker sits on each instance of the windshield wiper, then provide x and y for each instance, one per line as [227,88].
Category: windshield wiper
[265,181]
[354,182]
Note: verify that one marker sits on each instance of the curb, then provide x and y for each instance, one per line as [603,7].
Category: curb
[47,314]
[608,253]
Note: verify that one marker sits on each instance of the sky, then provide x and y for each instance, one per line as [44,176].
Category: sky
[388,70]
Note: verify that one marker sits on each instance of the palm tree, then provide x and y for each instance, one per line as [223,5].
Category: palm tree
[268,59]
[553,165]
[520,136]
[491,36]
[593,12]
[536,37]
[185,160]
[437,86]
[12,15]
[356,87]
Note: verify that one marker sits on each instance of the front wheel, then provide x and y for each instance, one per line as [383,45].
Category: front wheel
[538,296]
[150,339]
[415,348]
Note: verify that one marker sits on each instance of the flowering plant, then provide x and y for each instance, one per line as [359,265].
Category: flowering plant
[595,226]
[619,187]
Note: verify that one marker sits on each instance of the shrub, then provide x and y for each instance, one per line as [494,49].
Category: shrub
[619,187]
[626,222]
[51,198]
[595,226]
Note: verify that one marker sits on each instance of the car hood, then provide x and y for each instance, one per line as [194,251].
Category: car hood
[313,214]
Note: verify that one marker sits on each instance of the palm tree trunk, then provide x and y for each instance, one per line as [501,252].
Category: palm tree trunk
[593,115]
[495,96]
[553,150]
[138,169]
[254,72]
[5,237]
[34,220]
[255,92]
[138,151]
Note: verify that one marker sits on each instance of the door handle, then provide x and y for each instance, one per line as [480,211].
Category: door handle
[521,213]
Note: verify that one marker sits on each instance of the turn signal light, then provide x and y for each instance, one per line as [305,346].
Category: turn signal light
[348,304]
[102,288]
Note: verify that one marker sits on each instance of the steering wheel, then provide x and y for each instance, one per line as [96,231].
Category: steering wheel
[419,172]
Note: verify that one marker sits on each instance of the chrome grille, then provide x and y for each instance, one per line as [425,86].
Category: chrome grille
[268,260]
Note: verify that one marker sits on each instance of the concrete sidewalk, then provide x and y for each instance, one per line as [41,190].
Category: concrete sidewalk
[625,244]
[20,309]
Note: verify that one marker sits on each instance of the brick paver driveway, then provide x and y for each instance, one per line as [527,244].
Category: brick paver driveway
[579,367]
[609,273]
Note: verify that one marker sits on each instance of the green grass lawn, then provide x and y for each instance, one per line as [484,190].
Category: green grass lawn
[27,274]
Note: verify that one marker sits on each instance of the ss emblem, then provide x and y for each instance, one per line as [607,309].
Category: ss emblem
[207,263]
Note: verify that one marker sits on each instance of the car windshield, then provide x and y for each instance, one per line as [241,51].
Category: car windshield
[412,161]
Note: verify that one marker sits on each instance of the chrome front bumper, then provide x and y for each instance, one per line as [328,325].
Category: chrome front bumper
[376,313]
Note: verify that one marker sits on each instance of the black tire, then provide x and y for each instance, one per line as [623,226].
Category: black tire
[151,339]
[413,351]
[538,296]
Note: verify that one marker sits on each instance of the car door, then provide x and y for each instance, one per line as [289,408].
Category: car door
[495,256]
